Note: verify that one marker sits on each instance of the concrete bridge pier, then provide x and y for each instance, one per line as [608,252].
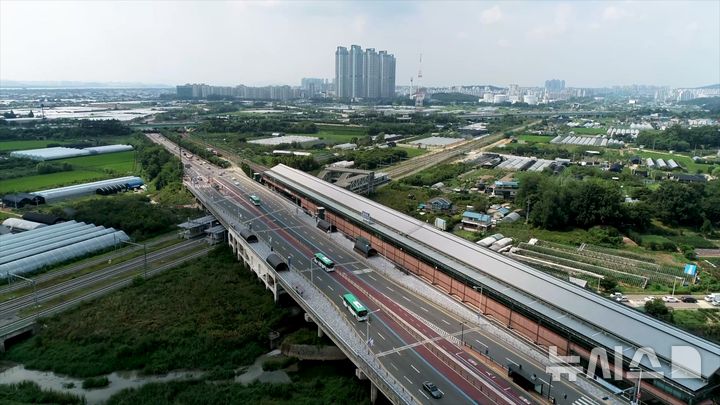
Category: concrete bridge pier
[373,393]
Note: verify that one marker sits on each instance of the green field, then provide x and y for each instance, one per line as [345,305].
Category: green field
[535,138]
[413,152]
[9,146]
[339,133]
[45,181]
[121,162]
[85,168]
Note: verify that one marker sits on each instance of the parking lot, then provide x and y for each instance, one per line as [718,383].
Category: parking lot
[639,301]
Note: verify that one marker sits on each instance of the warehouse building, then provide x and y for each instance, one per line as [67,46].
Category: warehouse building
[96,187]
[49,245]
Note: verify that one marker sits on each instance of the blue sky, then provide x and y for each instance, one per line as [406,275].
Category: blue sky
[586,43]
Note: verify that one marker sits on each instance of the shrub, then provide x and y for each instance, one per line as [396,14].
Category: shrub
[96,382]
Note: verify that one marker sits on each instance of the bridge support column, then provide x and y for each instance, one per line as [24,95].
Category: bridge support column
[320,332]
[373,393]
[360,375]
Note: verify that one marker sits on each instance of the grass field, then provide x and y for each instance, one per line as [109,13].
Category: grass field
[9,146]
[121,162]
[86,168]
[413,152]
[535,138]
[45,181]
[339,133]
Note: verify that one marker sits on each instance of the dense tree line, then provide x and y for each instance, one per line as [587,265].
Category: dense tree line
[61,129]
[400,128]
[373,158]
[304,163]
[50,167]
[678,138]
[436,174]
[560,202]
[196,149]
[259,125]
[159,165]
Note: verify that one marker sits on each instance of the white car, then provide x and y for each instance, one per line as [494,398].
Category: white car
[649,298]
[670,298]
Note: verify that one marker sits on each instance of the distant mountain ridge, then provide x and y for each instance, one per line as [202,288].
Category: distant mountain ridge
[60,84]
[710,86]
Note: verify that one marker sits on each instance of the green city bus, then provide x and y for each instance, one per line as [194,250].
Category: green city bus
[356,308]
[255,199]
[323,261]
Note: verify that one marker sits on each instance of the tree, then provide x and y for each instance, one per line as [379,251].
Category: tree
[657,308]
[608,284]
[678,204]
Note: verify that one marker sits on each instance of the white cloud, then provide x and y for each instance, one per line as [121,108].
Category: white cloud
[503,43]
[559,26]
[491,15]
[613,13]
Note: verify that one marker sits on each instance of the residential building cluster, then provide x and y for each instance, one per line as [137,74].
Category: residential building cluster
[204,91]
[364,74]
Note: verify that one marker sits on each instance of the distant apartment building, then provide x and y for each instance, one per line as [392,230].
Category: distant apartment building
[312,86]
[204,91]
[364,74]
[554,86]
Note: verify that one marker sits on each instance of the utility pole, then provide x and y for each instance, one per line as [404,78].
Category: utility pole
[34,286]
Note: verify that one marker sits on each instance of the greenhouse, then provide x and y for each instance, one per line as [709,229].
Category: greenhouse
[35,249]
[79,190]
[22,224]
[61,152]
[108,149]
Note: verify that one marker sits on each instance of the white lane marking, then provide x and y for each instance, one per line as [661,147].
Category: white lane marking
[383,337]
[421,391]
[408,380]
[416,370]
[394,366]
[406,298]
[481,343]
[331,289]
[372,277]
[390,288]
[512,362]
[424,309]
[445,321]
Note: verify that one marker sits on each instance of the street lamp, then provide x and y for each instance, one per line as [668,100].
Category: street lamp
[144,246]
[34,285]
[636,399]
[462,333]
[480,311]
[675,281]
[367,327]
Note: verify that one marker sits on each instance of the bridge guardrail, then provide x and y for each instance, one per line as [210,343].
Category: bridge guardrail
[363,359]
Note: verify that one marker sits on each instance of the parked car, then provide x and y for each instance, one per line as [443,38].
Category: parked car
[649,298]
[621,299]
[688,299]
[711,297]
[432,389]
[670,299]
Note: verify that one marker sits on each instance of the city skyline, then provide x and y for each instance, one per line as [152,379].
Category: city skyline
[364,74]
[589,44]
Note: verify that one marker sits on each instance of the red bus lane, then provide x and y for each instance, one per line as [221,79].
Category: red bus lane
[439,348]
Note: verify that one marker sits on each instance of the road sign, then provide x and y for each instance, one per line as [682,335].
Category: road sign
[690,269]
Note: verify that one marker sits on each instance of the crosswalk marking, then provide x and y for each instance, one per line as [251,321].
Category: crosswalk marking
[585,401]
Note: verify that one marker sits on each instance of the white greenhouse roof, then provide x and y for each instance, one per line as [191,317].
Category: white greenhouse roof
[17,223]
[50,153]
[109,149]
[32,250]
[61,152]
